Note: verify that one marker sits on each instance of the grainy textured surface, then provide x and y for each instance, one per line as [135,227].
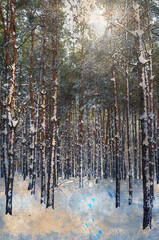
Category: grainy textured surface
[87,213]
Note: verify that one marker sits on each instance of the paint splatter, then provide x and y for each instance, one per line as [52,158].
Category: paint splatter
[89,205]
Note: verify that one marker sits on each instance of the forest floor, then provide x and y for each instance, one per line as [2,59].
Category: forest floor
[83,214]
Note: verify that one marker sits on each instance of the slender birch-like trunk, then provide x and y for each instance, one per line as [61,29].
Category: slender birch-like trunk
[81,125]
[32,164]
[107,167]
[24,143]
[116,139]
[111,152]
[11,122]
[124,172]
[128,137]
[43,107]
[51,168]
[140,150]
[5,137]
[135,138]
[88,145]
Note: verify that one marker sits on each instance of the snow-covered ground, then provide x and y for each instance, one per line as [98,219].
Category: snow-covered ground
[83,214]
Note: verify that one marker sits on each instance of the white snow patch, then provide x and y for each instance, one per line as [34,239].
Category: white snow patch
[142,59]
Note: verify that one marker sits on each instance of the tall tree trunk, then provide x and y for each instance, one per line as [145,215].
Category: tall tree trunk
[111,148]
[135,138]
[51,169]
[81,126]
[5,137]
[140,149]
[88,145]
[128,137]
[43,124]
[151,108]
[144,117]
[124,172]
[32,120]
[116,140]
[107,167]
[24,134]
[157,137]
[11,122]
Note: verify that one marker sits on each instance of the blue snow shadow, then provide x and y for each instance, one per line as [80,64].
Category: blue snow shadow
[110,195]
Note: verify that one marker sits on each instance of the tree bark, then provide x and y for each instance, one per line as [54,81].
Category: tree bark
[116,139]
[11,122]
[32,164]
[128,137]
[43,107]
[52,163]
